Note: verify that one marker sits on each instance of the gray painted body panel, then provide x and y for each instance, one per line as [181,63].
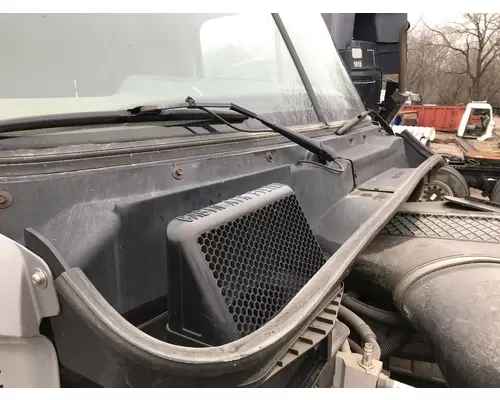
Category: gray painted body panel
[27,359]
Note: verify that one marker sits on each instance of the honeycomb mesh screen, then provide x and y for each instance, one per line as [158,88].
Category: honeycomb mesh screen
[458,227]
[261,260]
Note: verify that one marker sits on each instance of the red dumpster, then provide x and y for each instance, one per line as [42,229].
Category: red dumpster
[441,118]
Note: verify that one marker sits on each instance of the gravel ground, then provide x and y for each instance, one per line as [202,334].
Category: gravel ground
[445,142]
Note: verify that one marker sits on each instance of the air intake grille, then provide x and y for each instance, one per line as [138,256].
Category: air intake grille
[234,265]
[261,260]
[457,227]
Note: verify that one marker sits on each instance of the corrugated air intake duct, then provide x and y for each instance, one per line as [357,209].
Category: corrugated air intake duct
[443,273]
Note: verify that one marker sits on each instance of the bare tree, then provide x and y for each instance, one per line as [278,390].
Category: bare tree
[476,42]
[424,62]
[491,78]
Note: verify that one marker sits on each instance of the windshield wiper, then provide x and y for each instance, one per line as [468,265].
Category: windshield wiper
[324,152]
[135,115]
[352,123]
[187,111]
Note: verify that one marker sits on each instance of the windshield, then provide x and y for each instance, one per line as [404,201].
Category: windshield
[62,63]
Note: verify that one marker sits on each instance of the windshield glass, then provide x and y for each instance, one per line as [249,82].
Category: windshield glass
[338,98]
[65,63]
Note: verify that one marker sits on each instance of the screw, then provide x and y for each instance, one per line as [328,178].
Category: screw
[269,157]
[367,355]
[364,136]
[5,199]
[351,140]
[178,173]
[39,278]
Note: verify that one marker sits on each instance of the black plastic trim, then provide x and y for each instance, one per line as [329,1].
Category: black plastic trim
[248,353]
[416,144]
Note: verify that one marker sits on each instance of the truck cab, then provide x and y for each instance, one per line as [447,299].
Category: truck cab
[203,200]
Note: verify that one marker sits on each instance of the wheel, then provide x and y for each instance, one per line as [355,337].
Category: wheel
[447,182]
[495,193]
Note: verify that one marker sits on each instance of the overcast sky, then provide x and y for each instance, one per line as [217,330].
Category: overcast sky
[433,19]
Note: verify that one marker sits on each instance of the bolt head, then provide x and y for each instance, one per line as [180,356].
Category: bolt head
[5,199]
[38,278]
[178,173]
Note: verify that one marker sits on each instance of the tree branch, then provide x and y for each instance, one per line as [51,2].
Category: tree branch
[447,42]
[493,47]
[414,26]
[487,64]
[455,73]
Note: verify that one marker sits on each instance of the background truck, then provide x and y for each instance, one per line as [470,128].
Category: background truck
[369,44]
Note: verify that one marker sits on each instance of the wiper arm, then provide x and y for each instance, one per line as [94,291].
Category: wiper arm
[352,123]
[324,152]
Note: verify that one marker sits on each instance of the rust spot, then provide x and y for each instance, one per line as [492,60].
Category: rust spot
[483,155]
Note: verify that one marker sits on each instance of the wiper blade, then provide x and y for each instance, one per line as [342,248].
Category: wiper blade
[61,120]
[150,114]
[324,152]
[176,112]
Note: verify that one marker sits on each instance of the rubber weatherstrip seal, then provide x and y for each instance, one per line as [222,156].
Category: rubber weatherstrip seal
[248,353]
[407,281]
[416,144]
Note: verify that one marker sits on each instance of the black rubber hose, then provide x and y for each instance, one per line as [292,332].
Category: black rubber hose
[377,314]
[392,344]
[360,326]
[355,348]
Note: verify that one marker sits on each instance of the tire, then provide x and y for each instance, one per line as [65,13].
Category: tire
[495,193]
[447,182]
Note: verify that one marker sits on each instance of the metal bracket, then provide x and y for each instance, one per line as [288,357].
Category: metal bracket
[27,293]
[26,290]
